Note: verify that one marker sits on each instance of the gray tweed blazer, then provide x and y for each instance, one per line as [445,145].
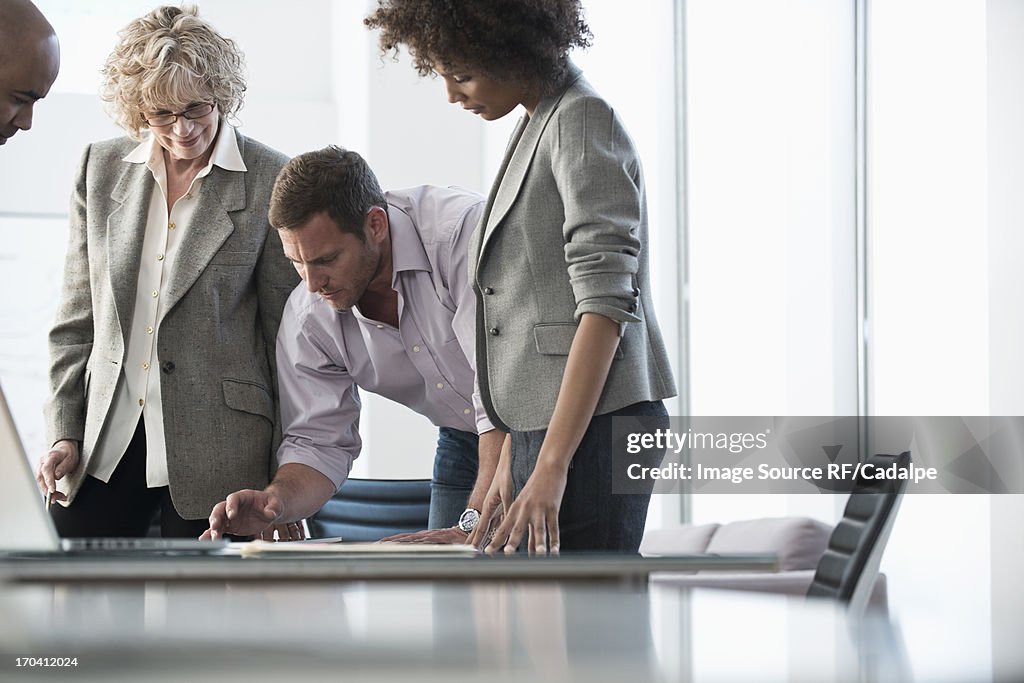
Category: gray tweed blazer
[217,326]
[564,232]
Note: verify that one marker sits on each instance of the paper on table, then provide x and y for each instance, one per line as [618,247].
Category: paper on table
[256,548]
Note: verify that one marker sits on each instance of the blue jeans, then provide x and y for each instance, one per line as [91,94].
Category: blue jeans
[455,466]
[591,516]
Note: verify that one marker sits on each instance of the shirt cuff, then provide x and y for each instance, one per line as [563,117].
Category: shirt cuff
[331,461]
[611,308]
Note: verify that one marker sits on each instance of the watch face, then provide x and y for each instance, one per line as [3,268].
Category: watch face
[468,520]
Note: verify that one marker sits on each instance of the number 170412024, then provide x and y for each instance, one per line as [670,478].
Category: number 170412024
[45,661]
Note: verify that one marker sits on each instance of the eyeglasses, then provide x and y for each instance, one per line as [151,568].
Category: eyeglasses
[196,111]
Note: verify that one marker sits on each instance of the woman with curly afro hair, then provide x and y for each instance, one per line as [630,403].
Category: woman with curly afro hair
[567,339]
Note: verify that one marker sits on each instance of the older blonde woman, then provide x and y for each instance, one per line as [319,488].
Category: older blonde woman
[163,388]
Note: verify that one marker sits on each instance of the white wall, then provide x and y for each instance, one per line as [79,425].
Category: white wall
[772,239]
[1005,55]
[946,102]
[772,279]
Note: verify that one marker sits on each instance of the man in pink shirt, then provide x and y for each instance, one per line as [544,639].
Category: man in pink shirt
[386,306]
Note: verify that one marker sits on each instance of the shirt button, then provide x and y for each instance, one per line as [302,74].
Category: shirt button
[155,294]
[495,331]
[415,349]
[171,226]
[141,402]
[149,330]
[466,411]
[159,257]
[440,385]
[380,327]
[145,366]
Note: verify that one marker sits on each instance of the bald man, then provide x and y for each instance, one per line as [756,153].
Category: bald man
[29,60]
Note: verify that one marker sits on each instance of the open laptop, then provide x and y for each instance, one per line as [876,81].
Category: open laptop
[26,527]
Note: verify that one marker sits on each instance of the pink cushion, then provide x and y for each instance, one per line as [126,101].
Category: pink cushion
[686,539]
[799,542]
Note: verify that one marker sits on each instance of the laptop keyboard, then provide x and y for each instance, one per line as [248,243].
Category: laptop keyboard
[141,544]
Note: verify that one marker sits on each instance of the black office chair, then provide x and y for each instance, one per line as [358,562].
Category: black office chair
[849,567]
[372,509]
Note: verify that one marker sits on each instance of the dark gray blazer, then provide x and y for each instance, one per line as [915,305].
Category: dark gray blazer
[217,326]
[564,232]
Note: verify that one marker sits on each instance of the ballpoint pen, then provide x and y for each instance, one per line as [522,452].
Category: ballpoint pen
[49,500]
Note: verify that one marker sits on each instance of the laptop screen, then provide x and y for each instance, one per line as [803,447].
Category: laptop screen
[24,522]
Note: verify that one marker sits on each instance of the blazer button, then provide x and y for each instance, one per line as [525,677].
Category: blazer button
[488,290]
[495,331]
[167,367]
[636,292]
[632,308]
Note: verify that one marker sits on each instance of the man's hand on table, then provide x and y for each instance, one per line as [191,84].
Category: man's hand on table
[245,513]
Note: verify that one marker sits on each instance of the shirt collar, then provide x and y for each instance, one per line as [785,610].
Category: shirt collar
[407,252]
[225,150]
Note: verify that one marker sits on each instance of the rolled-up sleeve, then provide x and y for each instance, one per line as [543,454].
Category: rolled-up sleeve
[319,400]
[597,173]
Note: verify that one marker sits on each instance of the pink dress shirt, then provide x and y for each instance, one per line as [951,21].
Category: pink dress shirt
[324,356]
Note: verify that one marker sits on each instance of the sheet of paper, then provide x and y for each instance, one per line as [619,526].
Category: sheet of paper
[258,548]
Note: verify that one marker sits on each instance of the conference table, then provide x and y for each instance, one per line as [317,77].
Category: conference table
[544,624]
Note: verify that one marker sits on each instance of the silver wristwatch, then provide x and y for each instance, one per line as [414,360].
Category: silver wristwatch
[468,520]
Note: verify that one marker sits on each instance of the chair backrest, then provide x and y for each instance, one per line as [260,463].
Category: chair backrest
[371,509]
[847,570]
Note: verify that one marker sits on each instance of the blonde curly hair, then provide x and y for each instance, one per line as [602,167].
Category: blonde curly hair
[167,58]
